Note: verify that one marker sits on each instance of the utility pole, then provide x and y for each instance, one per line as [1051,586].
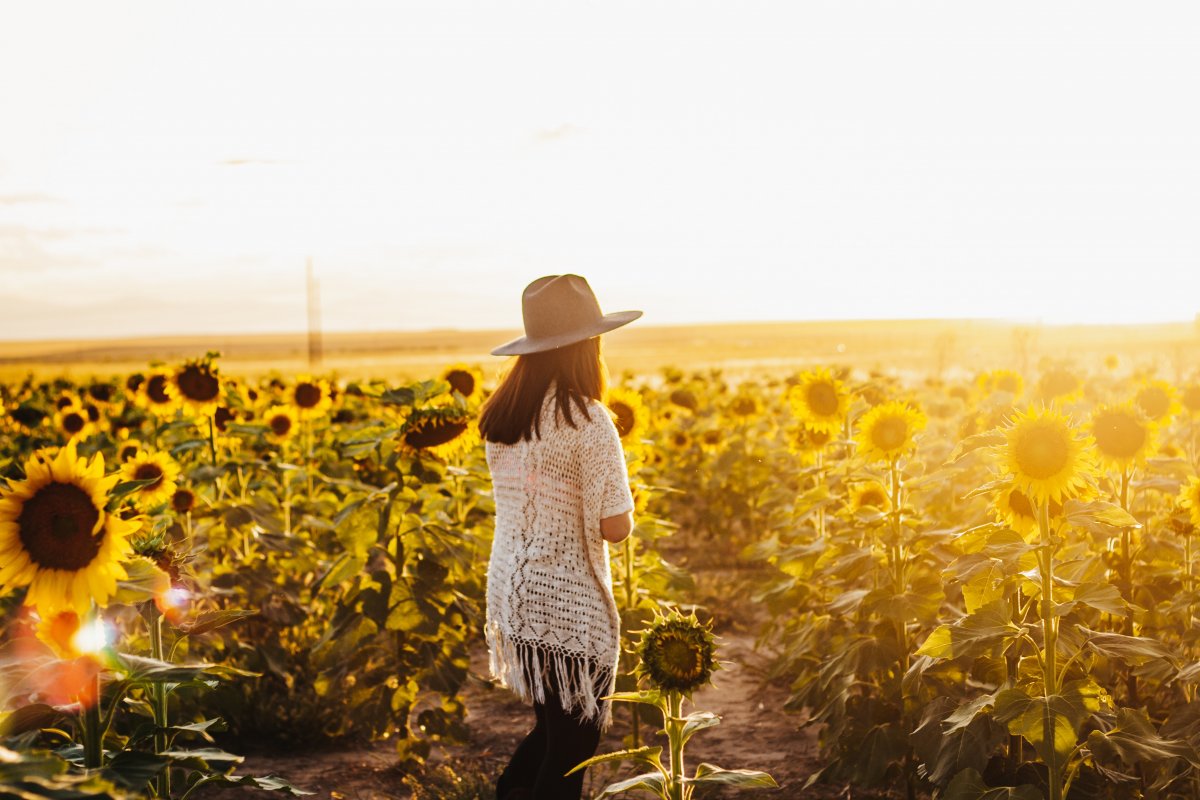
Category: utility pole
[314,320]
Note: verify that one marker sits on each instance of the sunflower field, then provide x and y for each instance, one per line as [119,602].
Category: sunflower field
[976,588]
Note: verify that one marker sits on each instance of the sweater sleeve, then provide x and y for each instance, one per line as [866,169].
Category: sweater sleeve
[603,462]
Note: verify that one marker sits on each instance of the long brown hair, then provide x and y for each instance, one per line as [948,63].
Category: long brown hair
[513,411]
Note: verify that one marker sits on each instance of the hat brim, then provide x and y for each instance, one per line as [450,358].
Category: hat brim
[523,345]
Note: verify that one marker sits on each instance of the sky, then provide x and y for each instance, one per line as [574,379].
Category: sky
[169,167]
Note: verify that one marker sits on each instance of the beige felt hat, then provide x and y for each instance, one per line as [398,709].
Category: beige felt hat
[560,310]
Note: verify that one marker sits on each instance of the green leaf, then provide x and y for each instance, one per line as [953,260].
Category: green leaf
[270,783]
[745,778]
[650,781]
[1098,516]
[1025,716]
[1103,597]
[969,785]
[211,620]
[1134,650]
[145,582]
[1134,740]
[650,697]
[646,755]
[344,567]
[698,721]
[990,625]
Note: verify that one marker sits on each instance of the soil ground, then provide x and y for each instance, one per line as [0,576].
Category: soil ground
[752,735]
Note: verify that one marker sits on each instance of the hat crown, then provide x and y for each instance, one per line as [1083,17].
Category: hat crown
[556,305]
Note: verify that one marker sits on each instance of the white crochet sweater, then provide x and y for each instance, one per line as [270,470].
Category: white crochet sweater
[550,602]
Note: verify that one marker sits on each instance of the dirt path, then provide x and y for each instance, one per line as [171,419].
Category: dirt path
[752,734]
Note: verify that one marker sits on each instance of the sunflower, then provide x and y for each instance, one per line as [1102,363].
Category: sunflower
[1046,457]
[74,423]
[57,538]
[711,439]
[1013,508]
[887,431]
[684,398]
[1157,400]
[58,631]
[1191,398]
[1001,380]
[155,396]
[127,450]
[183,501]
[465,380]
[803,440]
[281,423]
[311,397]
[28,418]
[1122,434]
[869,494]
[442,432]
[158,467]
[630,412]
[1189,498]
[1059,383]
[196,386]
[745,404]
[676,653]
[819,400]
[680,439]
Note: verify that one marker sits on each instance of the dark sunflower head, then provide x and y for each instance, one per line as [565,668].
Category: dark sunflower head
[198,382]
[676,653]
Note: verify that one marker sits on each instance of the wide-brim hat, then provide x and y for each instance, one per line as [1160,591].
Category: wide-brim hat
[559,310]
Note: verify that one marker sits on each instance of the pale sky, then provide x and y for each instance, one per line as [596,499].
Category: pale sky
[168,167]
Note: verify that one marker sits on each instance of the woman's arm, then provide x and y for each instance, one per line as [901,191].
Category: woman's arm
[615,529]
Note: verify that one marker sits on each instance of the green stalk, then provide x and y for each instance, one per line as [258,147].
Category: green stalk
[93,746]
[674,728]
[630,599]
[896,556]
[159,699]
[1131,682]
[1050,643]
[212,441]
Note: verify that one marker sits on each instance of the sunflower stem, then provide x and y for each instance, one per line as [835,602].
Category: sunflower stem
[93,735]
[1131,682]
[212,440]
[1050,644]
[630,598]
[675,738]
[159,694]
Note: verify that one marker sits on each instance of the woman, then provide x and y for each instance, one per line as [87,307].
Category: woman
[562,493]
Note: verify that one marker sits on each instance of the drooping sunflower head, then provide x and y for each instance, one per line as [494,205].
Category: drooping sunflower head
[196,386]
[311,397]
[889,429]
[74,423]
[56,536]
[1047,457]
[819,400]
[444,432]
[629,410]
[465,380]
[1189,498]
[154,394]
[1122,433]
[684,398]
[160,469]
[1158,400]
[676,653]
[1058,383]
[869,494]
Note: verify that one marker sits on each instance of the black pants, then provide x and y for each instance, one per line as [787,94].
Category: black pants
[557,743]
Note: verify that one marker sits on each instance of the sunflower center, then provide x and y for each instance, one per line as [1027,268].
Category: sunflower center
[222,417]
[198,384]
[63,402]
[1154,401]
[625,417]
[434,433]
[56,527]
[183,500]
[461,381]
[73,422]
[1119,435]
[281,424]
[822,399]
[147,472]
[680,659]
[743,406]
[156,389]
[872,497]
[128,451]
[1042,454]
[889,433]
[101,391]
[307,395]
